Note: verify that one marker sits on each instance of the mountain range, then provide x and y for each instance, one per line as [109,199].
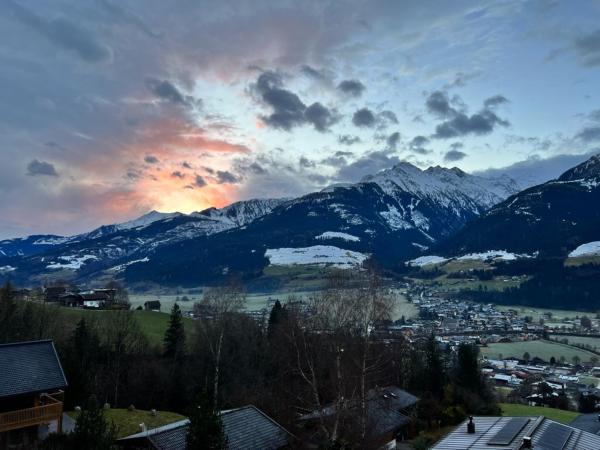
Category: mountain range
[391,216]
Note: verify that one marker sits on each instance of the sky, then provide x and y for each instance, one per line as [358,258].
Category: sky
[110,109]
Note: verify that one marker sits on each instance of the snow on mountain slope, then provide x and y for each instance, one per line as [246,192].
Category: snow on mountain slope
[315,255]
[588,249]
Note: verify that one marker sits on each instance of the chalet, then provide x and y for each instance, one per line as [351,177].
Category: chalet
[246,428]
[152,305]
[388,415]
[95,300]
[52,293]
[31,393]
[516,433]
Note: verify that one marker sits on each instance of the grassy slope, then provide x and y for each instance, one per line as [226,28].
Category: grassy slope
[152,324]
[559,415]
[541,349]
[128,422]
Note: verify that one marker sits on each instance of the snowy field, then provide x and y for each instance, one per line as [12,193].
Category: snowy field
[338,235]
[317,254]
[589,249]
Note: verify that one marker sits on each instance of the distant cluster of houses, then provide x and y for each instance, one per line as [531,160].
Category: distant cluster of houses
[73,297]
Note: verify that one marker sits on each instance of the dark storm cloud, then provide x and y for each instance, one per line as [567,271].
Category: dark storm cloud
[438,104]
[588,48]
[364,117]
[392,140]
[63,33]
[347,139]
[589,134]
[320,117]
[199,181]
[288,111]
[353,88]
[35,168]
[495,101]
[459,123]
[150,159]
[306,163]
[455,154]
[338,159]
[226,177]
[168,92]
[417,145]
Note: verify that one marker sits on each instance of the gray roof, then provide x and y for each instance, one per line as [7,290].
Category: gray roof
[29,367]
[487,427]
[246,428]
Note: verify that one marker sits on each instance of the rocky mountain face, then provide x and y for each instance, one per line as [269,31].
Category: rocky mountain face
[391,216]
[550,219]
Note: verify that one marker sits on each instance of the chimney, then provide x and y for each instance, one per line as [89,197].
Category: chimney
[527,442]
[471,426]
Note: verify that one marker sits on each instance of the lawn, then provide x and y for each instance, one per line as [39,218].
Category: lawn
[537,313]
[152,324]
[540,348]
[593,342]
[128,422]
[559,415]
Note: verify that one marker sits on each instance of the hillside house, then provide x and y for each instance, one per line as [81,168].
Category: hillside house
[516,433]
[246,428]
[389,411]
[52,294]
[152,305]
[31,393]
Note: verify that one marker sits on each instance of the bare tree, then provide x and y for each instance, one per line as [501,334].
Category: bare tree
[339,325]
[216,307]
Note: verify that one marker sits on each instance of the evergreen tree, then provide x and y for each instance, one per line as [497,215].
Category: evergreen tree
[174,340]
[276,318]
[435,377]
[206,429]
[81,360]
[92,431]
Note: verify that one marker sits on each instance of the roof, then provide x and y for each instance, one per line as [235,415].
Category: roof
[152,303]
[246,428]
[486,428]
[30,367]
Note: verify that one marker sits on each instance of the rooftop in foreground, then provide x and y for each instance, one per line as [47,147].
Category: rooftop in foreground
[513,433]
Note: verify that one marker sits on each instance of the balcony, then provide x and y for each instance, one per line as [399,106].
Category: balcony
[49,411]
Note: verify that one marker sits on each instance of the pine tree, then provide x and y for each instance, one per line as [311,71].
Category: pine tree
[435,368]
[276,318]
[174,340]
[92,431]
[206,429]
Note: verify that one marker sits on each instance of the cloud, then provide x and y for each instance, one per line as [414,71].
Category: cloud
[178,174]
[368,164]
[536,170]
[288,111]
[438,104]
[589,134]
[392,140]
[35,168]
[417,145]
[459,123]
[199,181]
[167,91]
[226,177]
[320,117]
[364,117]
[150,159]
[588,48]
[63,33]
[454,154]
[347,139]
[306,163]
[352,88]
[186,165]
